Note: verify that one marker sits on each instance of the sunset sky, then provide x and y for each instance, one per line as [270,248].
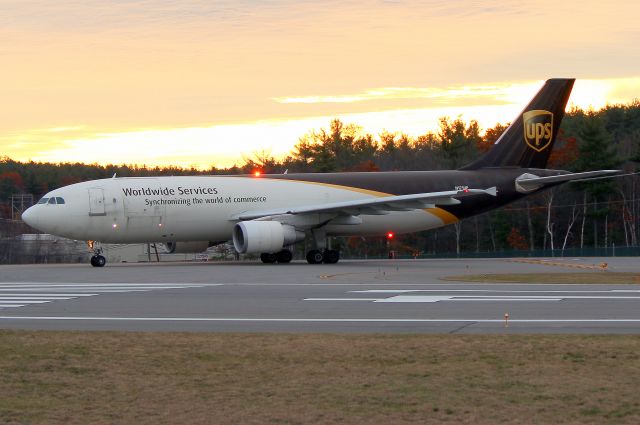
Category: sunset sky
[202,83]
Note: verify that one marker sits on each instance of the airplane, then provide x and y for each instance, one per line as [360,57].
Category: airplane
[267,214]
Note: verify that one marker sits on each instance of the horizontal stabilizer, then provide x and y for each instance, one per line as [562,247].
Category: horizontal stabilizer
[530,182]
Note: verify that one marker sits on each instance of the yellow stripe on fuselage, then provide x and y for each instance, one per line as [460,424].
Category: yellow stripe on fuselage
[445,216]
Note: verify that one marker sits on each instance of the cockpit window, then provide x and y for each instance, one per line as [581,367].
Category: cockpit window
[53,200]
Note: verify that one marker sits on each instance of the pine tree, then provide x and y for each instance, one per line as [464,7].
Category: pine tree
[596,153]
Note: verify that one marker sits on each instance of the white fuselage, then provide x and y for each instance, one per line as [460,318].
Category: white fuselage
[200,208]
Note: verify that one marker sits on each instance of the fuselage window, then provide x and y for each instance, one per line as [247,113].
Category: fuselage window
[59,200]
[52,200]
[43,201]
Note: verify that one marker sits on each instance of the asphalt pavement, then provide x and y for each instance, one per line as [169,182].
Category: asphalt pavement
[382,296]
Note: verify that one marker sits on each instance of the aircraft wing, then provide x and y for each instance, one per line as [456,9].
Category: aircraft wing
[374,206]
[531,182]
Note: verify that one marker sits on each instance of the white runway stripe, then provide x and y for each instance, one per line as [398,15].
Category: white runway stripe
[108,283]
[89,289]
[341,299]
[477,295]
[308,320]
[8,294]
[502,291]
[97,286]
[85,290]
[21,294]
[5,298]
[24,302]
[435,299]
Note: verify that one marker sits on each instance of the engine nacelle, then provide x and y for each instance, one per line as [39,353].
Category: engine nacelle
[186,247]
[254,237]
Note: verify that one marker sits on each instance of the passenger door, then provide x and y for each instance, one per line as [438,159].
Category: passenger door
[96,201]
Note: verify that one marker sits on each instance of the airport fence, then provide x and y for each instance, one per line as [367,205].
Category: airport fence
[41,250]
[610,251]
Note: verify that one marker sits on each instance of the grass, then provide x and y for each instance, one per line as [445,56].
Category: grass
[571,277]
[167,378]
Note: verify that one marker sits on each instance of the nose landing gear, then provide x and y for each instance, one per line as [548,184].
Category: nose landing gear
[97,260]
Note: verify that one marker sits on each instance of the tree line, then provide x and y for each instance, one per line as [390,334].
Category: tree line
[600,213]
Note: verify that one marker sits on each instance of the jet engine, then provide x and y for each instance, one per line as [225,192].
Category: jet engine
[187,247]
[252,237]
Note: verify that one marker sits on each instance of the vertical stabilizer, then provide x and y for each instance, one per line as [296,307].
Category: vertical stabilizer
[528,141]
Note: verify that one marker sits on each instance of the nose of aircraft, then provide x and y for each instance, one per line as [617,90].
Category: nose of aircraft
[30,216]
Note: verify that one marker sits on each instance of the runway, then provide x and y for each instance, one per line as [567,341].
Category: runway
[385,296]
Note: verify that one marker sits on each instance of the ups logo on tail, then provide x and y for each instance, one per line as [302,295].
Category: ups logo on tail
[538,129]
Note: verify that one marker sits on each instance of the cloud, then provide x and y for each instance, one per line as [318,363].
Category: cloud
[451,95]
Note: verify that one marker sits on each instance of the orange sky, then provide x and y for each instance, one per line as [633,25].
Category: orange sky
[208,83]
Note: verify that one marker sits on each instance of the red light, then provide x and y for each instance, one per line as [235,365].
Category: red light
[257,173]
[390,235]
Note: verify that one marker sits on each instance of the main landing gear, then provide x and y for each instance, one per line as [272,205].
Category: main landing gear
[327,256]
[320,254]
[315,256]
[284,256]
[97,260]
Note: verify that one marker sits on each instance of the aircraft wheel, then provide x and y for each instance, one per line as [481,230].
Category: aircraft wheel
[284,256]
[268,257]
[331,256]
[314,257]
[98,261]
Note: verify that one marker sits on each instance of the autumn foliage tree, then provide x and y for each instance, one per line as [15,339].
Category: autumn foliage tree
[516,240]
